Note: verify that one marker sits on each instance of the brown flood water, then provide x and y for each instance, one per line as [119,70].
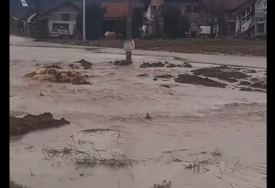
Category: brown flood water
[186,120]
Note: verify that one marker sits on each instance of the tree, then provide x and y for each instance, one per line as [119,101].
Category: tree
[217,10]
[94,21]
[171,18]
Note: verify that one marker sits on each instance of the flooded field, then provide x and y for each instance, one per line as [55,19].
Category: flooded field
[134,127]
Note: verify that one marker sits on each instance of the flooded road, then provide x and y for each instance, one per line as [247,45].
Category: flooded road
[188,123]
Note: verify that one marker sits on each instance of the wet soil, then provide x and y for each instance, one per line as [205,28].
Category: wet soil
[85,64]
[196,80]
[222,72]
[121,62]
[56,76]
[20,126]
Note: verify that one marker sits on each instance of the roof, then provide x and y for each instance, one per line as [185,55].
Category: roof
[230,5]
[115,10]
[243,6]
[74,4]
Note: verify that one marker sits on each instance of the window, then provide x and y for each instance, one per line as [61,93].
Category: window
[265,5]
[260,27]
[66,17]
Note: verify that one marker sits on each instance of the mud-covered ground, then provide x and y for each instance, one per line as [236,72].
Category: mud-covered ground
[141,125]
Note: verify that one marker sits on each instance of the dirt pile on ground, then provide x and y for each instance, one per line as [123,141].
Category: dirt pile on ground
[85,64]
[121,62]
[222,72]
[53,75]
[148,65]
[20,126]
[196,80]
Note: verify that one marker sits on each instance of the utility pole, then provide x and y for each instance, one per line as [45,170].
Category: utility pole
[84,21]
[129,32]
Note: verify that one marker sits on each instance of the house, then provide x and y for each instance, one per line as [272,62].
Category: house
[260,18]
[245,19]
[63,15]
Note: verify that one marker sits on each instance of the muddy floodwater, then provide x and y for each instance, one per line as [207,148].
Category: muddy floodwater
[188,124]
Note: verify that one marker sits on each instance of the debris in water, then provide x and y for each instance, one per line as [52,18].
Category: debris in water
[28,123]
[143,75]
[53,75]
[85,64]
[187,65]
[121,62]
[97,130]
[166,76]
[72,66]
[164,184]
[53,66]
[42,92]
[223,72]
[196,80]
[87,156]
[244,83]
[148,65]
[148,116]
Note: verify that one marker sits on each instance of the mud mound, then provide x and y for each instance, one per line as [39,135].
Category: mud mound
[223,72]
[196,80]
[244,83]
[53,66]
[166,76]
[171,65]
[148,65]
[259,85]
[250,89]
[53,75]
[85,64]
[121,63]
[28,123]
[254,79]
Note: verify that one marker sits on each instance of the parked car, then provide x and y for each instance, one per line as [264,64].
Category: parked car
[59,33]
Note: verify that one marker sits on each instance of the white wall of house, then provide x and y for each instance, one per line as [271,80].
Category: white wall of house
[260,17]
[56,17]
